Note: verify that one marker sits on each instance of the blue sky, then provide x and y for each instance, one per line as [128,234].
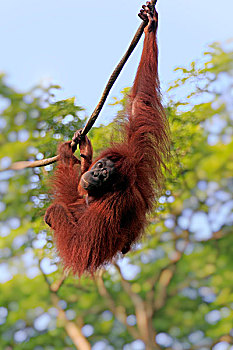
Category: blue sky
[77,44]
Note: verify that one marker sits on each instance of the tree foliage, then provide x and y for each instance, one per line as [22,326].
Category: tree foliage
[175,290]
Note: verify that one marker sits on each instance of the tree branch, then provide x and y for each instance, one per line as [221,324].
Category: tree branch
[74,332]
[143,312]
[118,311]
[28,164]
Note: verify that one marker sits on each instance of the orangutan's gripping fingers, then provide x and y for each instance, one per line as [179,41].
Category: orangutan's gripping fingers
[81,140]
[149,14]
[150,7]
[152,16]
[77,136]
[152,10]
[143,16]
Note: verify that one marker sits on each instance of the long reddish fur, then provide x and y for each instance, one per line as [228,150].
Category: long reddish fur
[89,236]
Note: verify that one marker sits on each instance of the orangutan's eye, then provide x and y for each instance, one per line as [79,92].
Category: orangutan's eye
[99,165]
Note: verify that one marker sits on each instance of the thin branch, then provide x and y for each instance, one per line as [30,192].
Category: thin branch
[55,286]
[72,329]
[118,311]
[143,312]
[28,164]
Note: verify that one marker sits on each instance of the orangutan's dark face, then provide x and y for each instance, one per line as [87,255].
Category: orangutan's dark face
[99,177]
